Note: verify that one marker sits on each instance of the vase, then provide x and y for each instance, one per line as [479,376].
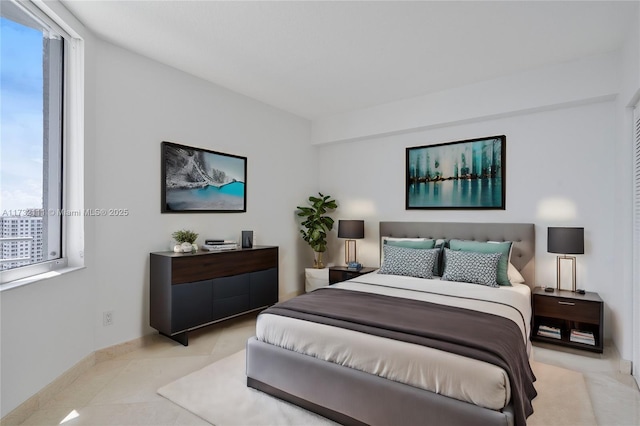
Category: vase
[317,260]
[187,247]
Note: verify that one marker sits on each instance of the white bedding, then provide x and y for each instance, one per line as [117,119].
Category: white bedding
[449,374]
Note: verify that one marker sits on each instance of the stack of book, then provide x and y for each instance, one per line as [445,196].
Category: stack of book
[585,337]
[552,332]
[213,245]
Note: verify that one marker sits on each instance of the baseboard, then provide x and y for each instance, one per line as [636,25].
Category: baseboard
[111,352]
[46,394]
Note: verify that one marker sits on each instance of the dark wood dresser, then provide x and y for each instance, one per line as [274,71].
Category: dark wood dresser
[191,290]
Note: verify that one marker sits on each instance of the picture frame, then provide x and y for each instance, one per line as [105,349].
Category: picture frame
[198,180]
[466,174]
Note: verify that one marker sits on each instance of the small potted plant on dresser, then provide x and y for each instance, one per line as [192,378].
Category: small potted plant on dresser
[186,241]
[316,224]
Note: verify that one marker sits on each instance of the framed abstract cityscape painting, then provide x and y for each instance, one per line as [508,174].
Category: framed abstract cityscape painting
[196,180]
[468,174]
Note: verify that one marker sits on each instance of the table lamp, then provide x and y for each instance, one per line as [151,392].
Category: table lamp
[565,241]
[351,229]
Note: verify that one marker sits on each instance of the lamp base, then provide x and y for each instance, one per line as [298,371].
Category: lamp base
[350,251]
[573,269]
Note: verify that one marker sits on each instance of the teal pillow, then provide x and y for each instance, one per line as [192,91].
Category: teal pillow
[478,247]
[438,267]
[412,243]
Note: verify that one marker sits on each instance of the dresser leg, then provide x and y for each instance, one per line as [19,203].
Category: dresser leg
[181,338]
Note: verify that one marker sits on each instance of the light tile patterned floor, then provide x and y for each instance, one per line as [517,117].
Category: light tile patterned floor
[123,391]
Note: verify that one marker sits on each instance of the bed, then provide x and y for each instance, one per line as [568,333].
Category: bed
[366,374]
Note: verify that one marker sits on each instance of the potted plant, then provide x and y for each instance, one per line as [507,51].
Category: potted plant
[317,224]
[186,241]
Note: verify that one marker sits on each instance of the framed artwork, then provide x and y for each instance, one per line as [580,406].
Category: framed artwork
[196,180]
[468,174]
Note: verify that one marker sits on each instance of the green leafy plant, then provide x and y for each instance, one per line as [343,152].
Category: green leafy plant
[185,236]
[316,224]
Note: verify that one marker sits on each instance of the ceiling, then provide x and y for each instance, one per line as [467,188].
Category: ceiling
[320,58]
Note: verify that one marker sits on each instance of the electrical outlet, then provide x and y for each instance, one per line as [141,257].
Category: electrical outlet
[107,318]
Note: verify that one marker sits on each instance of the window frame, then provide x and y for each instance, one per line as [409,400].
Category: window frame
[69,176]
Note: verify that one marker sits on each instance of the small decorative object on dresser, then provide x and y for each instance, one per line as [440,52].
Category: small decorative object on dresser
[343,273]
[186,241]
[567,318]
[247,239]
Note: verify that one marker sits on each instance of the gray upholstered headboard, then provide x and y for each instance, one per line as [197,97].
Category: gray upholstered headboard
[522,235]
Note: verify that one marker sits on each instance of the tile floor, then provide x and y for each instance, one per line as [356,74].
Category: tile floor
[122,391]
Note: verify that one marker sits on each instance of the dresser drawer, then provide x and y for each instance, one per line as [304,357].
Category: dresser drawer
[568,309]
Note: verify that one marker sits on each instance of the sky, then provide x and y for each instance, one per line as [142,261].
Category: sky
[20,116]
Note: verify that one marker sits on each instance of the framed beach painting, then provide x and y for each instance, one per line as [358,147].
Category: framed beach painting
[468,174]
[197,180]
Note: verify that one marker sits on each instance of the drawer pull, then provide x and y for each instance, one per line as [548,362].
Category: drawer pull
[567,303]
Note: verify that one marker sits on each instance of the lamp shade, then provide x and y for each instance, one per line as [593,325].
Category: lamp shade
[351,229]
[565,240]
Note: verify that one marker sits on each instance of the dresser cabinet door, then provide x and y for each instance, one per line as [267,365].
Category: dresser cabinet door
[230,296]
[264,288]
[190,305]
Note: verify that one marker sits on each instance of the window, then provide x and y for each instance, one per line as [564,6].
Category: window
[636,240]
[31,158]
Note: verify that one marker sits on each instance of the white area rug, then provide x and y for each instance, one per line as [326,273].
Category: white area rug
[218,393]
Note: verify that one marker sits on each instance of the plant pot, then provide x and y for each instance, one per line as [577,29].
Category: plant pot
[317,260]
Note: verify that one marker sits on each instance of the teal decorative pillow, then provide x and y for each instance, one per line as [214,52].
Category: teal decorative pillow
[438,267]
[408,261]
[479,247]
[471,267]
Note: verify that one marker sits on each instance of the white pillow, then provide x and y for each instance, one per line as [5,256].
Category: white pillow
[385,239]
[514,275]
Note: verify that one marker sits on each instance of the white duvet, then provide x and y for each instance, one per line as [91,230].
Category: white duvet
[438,371]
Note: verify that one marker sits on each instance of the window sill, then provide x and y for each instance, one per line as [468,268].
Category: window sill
[39,277]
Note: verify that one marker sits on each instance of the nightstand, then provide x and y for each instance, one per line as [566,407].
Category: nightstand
[568,311]
[342,273]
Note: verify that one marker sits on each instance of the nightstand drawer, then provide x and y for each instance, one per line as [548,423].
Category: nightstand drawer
[337,276]
[342,273]
[568,309]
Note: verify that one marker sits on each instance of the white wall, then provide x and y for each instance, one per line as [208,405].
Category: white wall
[553,155]
[629,96]
[566,125]
[560,172]
[574,82]
[133,104]
[141,103]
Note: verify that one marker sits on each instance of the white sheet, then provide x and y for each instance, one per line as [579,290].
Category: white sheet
[449,374]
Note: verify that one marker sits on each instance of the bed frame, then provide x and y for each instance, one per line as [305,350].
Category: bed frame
[353,397]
